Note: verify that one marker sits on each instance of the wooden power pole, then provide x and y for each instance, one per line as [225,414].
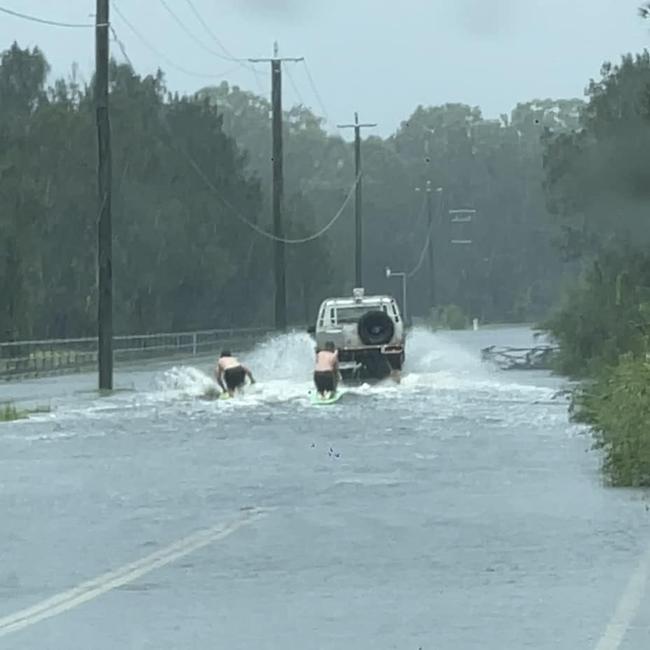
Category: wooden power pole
[104,230]
[432,292]
[278,185]
[358,217]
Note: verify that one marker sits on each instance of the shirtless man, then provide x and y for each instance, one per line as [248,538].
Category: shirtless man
[230,373]
[326,372]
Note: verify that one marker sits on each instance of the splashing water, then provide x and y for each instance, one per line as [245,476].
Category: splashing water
[283,365]
[443,373]
[184,381]
[286,356]
[436,360]
[433,352]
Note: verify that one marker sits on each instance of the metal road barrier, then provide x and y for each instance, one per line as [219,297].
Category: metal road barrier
[21,359]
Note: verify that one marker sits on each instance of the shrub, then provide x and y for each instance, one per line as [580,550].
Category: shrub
[617,407]
[605,315]
[450,317]
[9,412]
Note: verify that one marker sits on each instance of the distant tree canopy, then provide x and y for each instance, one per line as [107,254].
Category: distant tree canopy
[598,176]
[188,171]
[492,166]
[182,259]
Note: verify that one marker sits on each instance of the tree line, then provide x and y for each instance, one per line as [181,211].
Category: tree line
[597,181]
[512,269]
[192,173]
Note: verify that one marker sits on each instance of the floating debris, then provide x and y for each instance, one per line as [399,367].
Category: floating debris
[539,357]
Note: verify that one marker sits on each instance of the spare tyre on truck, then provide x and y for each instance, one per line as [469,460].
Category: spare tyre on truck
[376,328]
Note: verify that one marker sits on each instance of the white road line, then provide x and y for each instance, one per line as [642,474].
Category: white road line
[627,608]
[91,589]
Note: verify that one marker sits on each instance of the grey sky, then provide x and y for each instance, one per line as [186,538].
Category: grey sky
[380,58]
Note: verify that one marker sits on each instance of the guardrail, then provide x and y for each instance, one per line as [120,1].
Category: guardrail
[21,359]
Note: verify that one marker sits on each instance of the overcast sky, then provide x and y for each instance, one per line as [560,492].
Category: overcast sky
[379,57]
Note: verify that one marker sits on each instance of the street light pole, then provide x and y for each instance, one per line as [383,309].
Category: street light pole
[396,274]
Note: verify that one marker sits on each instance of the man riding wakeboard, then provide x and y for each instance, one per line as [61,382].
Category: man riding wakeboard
[231,374]
[326,371]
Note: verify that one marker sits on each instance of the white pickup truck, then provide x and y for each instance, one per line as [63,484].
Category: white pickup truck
[368,332]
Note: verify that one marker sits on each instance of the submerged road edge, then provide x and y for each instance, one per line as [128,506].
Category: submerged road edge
[91,589]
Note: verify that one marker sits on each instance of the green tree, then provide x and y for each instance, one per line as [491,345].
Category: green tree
[189,172]
[182,255]
[598,176]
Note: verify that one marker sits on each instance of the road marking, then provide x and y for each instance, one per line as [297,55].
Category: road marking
[627,608]
[91,589]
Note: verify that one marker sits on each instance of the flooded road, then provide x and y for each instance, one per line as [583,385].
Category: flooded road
[457,510]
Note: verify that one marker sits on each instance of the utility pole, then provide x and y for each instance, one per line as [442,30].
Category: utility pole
[358,261]
[432,240]
[432,277]
[463,216]
[428,188]
[278,185]
[104,227]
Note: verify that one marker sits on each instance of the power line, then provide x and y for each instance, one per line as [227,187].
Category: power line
[215,38]
[163,56]
[295,88]
[116,38]
[427,243]
[421,260]
[228,55]
[319,99]
[191,34]
[199,172]
[258,83]
[44,21]
[301,240]
[197,169]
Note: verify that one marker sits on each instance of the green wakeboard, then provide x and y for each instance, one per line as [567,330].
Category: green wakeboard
[317,400]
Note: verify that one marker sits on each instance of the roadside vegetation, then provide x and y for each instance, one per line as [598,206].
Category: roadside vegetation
[449,317]
[616,405]
[598,191]
[9,413]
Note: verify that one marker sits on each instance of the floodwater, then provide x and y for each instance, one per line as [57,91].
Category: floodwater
[457,510]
